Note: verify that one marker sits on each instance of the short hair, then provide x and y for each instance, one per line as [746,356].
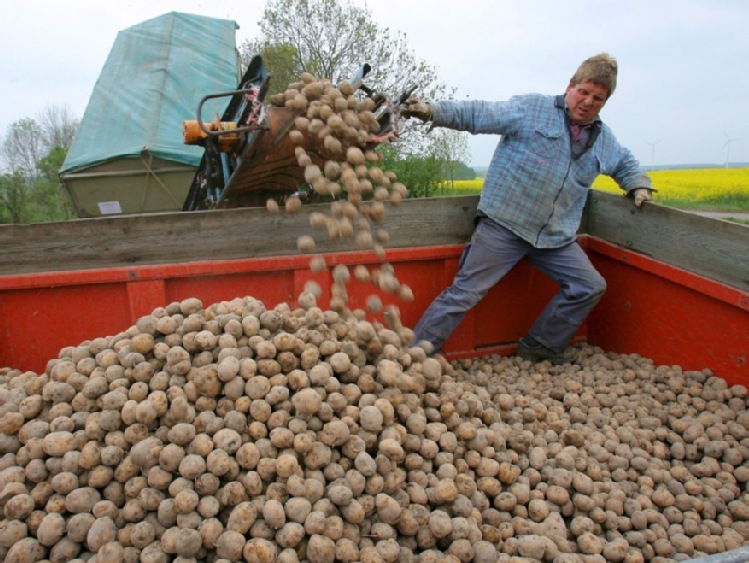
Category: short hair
[600,69]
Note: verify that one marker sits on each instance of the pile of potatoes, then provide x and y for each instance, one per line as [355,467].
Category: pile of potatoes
[237,432]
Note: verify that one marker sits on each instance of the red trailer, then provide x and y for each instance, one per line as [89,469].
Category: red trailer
[678,283]
[678,294]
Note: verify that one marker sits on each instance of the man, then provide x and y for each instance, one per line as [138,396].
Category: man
[551,150]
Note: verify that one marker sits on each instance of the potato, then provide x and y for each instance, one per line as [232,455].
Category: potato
[192,466]
[273,514]
[259,550]
[27,550]
[321,549]
[306,243]
[102,531]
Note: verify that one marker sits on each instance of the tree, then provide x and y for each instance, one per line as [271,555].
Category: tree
[422,174]
[464,172]
[333,39]
[32,153]
[38,201]
[451,148]
[28,141]
[23,147]
[49,200]
[59,126]
[13,195]
[278,58]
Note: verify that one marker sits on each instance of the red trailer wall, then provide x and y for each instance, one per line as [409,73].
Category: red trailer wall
[669,315]
[658,311]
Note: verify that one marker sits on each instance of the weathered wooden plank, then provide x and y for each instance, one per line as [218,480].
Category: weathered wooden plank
[210,235]
[713,248]
[709,247]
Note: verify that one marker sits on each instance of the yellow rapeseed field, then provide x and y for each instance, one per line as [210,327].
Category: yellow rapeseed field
[698,188]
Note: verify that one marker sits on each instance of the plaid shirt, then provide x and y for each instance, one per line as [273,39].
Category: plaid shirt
[535,186]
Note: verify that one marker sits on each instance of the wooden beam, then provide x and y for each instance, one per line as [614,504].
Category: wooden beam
[159,238]
[708,247]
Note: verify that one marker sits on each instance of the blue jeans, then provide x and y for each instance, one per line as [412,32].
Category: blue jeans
[492,252]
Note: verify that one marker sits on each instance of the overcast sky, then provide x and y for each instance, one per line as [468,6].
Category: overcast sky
[683,94]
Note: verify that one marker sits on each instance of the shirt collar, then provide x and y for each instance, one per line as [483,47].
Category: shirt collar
[561,104]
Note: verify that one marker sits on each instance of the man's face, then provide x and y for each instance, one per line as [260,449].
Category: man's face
[585,101]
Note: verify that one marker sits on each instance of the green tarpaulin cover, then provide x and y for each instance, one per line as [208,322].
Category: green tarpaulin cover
[154,78]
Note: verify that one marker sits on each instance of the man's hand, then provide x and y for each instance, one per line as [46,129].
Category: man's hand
[414,107]
[641,195]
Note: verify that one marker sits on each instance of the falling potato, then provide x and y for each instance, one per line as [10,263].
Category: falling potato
[293,205]
[318,264]
[297,137]
[374,303]
[311,173]
[341,123]
[355,156]
[305,243]
[271,205]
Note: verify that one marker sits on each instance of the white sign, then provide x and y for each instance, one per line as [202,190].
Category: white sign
[109,207]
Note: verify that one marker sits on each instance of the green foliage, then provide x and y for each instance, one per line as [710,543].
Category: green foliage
[32,153]
[39,203]
[37,199]
[49,165]
[50,201]
[421,174]
[279,61]
[738,220]
[13,195]
[462,171]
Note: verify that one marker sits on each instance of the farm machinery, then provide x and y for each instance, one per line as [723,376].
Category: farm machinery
[250,156]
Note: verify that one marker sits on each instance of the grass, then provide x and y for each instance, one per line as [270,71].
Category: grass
[698,189]
[738,220]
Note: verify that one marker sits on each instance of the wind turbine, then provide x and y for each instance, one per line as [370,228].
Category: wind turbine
[652,152]
[727,144]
